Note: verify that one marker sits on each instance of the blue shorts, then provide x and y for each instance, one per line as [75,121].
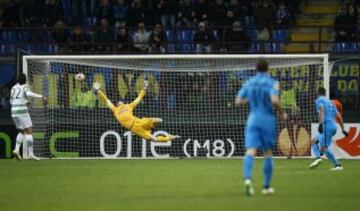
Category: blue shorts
[260,136]
[325,138]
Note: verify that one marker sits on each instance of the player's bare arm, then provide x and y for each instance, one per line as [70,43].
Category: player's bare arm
[239,101]
[341,123]
[275,100]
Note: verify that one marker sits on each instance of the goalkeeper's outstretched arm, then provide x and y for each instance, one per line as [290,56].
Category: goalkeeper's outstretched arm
[141,95]
[102,96]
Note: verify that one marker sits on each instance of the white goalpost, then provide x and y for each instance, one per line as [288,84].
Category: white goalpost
[193,94]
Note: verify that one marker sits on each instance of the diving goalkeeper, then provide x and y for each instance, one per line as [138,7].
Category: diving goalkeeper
[124,114]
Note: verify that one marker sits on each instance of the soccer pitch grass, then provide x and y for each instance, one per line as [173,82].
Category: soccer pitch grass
[173,185]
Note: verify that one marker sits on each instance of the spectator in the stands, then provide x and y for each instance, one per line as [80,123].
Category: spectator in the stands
[184,13]
[235,7]
[264,34]
[121,12]
[123,41]
[202,11]
[79,11]
[166,12]
[52,12]
[103,37]
[218,13]
[60,36]
[283,16]
[30,13]
[11,15]
[236,39]
[264,13]
[204,39]
[137,13]
[105,11]
[353,20]
[78,42]
[158,40]
[83,97]
[341,28]
[230,18]
[141,39]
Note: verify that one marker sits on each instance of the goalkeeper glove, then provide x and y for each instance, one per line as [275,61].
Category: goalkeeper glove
[146,84]
[345,133]
[320,128]
[96,86]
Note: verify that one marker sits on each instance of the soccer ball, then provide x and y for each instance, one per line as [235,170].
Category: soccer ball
[80,77]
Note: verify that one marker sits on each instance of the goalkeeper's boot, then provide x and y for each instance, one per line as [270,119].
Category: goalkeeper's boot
[16,155]
[33,157]
[316,163]
[249,189]
[268,191]
[337,168]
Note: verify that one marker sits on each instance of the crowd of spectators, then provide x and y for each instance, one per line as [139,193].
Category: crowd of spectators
[348,16]
[138,25]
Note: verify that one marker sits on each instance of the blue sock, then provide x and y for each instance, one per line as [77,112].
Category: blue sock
[268,169]
[315,148]
[248,163]
[331,157]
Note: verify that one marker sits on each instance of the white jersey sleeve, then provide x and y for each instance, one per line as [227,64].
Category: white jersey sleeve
[18,99]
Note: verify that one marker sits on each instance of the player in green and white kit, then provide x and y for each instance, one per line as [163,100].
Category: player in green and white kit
[20,92]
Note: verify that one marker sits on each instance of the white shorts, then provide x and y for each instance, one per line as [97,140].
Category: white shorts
[22,121]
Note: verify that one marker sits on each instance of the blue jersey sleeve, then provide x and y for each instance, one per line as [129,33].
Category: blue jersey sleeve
[275,89]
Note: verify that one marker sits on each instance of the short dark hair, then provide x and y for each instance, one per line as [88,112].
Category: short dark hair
[262,65]
[321,91]
[21,79]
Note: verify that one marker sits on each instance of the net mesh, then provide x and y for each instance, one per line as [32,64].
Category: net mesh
[193,96]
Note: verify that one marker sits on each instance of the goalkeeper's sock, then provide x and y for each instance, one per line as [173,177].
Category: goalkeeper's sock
[331,157]
[267,170]
[315,148]
[248,163]
[19,140]
[30,141]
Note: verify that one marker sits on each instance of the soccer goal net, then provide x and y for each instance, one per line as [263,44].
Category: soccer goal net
[193,94]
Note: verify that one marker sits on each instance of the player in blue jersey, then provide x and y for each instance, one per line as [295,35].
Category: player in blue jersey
[261,92]
[327,128]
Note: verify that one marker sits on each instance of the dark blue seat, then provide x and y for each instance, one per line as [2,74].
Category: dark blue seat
[252,34]
[275,47]
[171,48]
[7,72]
[44,36]
[43,48]
[186,48]
[25,47]
[280,35]
[355,47]
[170,35]
[7,49]
[342,47]
[254,48]
[23,36]
[185,36]
[8,37]
[248,20]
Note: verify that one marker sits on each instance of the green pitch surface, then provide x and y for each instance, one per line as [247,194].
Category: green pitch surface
[173,185]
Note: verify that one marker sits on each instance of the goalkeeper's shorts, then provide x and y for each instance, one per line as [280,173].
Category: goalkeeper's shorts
[142,127]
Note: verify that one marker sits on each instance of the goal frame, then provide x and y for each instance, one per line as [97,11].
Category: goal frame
[49,58]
